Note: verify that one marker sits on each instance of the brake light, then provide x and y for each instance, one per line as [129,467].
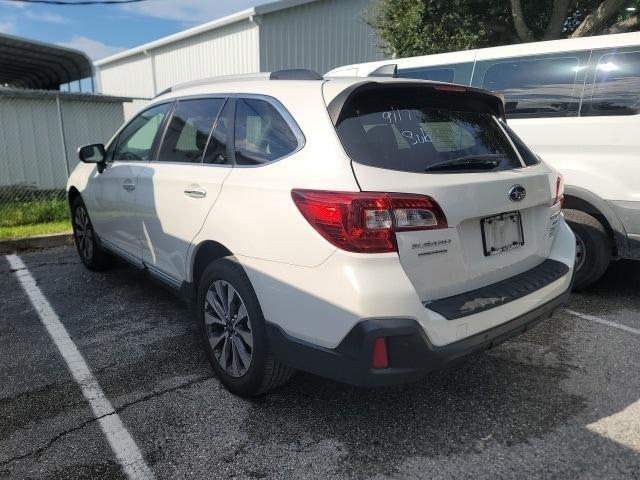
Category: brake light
[366,222]
[450,88]
[559,191]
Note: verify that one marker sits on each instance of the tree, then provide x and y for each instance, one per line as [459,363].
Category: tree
[420,27]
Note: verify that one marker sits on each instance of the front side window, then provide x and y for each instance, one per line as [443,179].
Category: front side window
[616,87]
[534,87]
[262,135]
[414,130]
[135,142]
[188,132]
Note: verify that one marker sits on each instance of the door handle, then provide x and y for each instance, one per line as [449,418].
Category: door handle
[195,192]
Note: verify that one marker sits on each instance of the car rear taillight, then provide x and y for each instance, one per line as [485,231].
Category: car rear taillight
[559,191]
[366,222]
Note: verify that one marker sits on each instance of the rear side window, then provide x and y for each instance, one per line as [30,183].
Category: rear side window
[188,131]
[616,87]
[420,131]
[136,141]
[454,73]
[435,74]
[543,87]
[261,134]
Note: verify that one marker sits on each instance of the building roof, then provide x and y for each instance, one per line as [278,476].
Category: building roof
[30,64]
[247,14]
[8,92]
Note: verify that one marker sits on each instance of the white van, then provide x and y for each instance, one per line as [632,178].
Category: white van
[575,102]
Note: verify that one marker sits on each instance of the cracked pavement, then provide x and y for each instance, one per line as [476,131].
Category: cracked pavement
[526,409]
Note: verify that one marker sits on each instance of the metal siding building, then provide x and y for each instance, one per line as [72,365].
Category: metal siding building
[40,132]
[316,34]
[320,35]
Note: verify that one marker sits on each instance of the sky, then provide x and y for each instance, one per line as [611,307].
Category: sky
[102,30]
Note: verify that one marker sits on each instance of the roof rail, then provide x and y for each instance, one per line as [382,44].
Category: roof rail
[389,70]
[289,74]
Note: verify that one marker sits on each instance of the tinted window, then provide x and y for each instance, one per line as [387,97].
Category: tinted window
[217,150]
[436,74]
[454,73]
[135,142]
[188,131]
[542,87]
[261,134]
[412,130]
[616,89]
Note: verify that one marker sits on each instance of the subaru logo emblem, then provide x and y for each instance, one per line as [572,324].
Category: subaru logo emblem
[517,193]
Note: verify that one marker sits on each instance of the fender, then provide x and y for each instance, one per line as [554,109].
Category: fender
[601,206]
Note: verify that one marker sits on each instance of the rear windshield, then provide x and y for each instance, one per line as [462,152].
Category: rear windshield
[424,131]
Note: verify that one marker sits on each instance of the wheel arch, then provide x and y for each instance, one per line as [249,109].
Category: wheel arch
[203,254]
[580,199]
[72,195]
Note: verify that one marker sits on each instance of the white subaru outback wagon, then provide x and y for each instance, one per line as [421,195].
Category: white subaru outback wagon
[366,230]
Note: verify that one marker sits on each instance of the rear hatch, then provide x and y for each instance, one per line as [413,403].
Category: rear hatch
[450,144]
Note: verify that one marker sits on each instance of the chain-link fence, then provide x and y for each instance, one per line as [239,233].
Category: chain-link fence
[40,132]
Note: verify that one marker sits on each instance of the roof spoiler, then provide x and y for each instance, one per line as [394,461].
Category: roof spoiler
[337,106]
[288,74]
[390,70]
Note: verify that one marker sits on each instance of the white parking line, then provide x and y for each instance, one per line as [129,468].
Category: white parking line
[609,323]
[127,452]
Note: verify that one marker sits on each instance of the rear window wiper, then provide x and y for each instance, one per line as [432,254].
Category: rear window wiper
[470,162]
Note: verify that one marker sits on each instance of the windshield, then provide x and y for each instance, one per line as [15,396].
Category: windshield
[430,132]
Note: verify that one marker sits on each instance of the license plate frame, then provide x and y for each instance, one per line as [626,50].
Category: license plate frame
[488,229]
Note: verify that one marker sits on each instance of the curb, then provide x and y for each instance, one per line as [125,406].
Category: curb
[35,242]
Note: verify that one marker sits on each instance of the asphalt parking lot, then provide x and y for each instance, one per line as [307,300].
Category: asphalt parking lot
[562,401]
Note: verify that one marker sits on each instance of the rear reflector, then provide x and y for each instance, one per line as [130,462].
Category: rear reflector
[380,355]
[366,222]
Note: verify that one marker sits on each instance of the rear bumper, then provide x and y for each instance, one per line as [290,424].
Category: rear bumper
[411,354]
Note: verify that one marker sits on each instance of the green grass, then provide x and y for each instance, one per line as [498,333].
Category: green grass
[33,211]
[58,226]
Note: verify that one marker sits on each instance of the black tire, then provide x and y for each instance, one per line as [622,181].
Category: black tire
[92,255]
[264,372]
[593,245]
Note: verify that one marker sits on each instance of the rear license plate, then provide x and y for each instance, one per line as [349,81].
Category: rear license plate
[501,233]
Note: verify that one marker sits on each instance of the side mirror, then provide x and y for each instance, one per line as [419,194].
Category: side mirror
[93,153]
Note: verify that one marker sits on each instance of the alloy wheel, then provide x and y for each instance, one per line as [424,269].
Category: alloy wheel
[580,253]
[83,232]
[228,328]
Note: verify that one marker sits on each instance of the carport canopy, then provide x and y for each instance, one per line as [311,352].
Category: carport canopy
[35,65]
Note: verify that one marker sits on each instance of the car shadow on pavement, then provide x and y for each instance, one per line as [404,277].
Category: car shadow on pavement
[491,397]
[618,291]
[497,404]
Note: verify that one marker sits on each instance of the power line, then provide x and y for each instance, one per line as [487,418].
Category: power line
[79,2]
